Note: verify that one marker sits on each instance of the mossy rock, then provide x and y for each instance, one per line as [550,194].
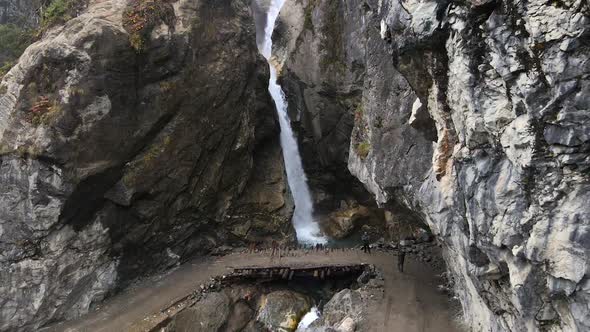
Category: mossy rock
[363,149]
[282,310]
[142,16]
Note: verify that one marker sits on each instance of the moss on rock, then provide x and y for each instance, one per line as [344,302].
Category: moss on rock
[141,17]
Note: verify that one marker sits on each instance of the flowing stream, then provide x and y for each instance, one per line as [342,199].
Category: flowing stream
[307,228]
[309,318]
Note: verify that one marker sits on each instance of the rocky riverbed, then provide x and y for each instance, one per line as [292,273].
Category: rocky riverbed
[232,303]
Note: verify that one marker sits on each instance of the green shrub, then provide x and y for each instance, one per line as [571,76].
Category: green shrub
[5,67]
[61,11]
[14,39]
[13,42]
[57,11]
[363,149]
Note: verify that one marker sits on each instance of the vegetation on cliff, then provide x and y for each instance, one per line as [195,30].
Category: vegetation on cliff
[13,42]
[359,139]
[61,11]
[15,38]
[141,17]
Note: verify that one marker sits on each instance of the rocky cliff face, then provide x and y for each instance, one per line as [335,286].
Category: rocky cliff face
[471,117]
[131,137]
[20,12]
[323,95]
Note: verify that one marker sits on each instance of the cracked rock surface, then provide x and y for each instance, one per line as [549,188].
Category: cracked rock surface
[472,117]
[118,161]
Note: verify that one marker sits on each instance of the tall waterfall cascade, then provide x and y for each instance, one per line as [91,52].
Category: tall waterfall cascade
[307,228]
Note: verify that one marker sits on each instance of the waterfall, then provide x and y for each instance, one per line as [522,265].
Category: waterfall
[307,228]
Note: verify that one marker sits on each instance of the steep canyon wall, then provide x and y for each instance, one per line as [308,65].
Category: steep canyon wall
[132,137]
[471,117]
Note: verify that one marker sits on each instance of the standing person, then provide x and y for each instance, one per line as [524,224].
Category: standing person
[275,247]
[401,258]
[366,246]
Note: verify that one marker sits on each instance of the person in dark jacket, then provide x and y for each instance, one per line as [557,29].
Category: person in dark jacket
[400,259]
[366,246]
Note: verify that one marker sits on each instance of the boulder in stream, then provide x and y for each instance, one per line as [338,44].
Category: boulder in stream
[282,310]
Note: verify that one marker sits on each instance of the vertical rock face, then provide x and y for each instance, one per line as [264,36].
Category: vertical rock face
[472,117]
[322,78]
[127,148]
[20,12]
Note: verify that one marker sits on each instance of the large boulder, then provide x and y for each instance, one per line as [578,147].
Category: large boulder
[342,222]
[210,315]
[281,311]
[132,137]
[345,305]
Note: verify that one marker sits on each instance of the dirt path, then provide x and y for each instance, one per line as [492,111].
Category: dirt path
[410,303]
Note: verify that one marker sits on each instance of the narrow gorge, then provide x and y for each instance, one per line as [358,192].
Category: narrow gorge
[303,220]
[216,165]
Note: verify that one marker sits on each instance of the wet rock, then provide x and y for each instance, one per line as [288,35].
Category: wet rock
[341,223]
[282,310]
[344,304]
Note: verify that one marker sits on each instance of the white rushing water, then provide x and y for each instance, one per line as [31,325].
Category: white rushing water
[309,318]
[307,228]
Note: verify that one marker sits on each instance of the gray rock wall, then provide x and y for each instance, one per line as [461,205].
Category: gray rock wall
[118,161]
[473,118]
[322,75]
[21,12]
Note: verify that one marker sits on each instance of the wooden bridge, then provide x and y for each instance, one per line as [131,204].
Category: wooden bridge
[410,302]
[285,272]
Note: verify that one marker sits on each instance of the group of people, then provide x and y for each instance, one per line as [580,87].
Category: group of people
[365,238]
[401,257]
[276,248]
